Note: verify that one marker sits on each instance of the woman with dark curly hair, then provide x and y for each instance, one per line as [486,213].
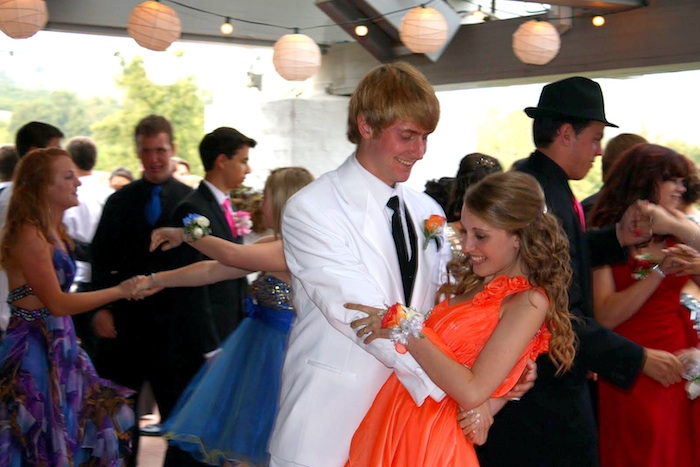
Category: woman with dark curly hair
[508,303]
[649,423]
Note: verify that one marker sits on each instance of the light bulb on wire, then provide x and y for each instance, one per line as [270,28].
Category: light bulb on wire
[361,30]
[479,15]
[226,27]
[598,21]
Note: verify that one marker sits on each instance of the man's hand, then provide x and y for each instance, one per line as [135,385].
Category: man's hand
[636,224]
[475,423]
[369,327]
[103,324]
[167,238]
[663,367]
[525,383]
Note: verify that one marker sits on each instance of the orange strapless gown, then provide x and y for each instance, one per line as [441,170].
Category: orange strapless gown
[396,432]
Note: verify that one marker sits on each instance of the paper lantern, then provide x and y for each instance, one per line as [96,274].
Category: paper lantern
[20,19]
[154,26]
[423,30]
[296,57]
[536,42]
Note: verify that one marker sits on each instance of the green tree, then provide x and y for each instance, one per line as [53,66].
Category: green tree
[62,109]
[505,136]
[182,103]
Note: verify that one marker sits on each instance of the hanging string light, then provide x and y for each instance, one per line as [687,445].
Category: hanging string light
[154,26]
[536,42]
[423,30]
[598,21]
[479,15]
[21,19]
[226,27]
[361,30]
[296,57]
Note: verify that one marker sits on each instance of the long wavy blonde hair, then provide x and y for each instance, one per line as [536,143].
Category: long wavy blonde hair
[29,204]
[514,202]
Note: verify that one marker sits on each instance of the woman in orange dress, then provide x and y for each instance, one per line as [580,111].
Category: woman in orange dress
[508,304]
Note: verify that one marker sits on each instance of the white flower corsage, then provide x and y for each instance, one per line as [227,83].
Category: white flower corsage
[244,223]
[403,322]
[196,227]
[432,229]
[691,361]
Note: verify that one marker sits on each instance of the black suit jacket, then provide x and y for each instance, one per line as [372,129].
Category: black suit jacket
[226,298]
[554,424]
[156,340]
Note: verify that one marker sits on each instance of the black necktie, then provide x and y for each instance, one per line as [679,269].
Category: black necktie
[408,266]
[153,209]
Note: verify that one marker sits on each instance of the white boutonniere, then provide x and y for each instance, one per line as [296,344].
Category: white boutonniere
[196,227]
[433,227]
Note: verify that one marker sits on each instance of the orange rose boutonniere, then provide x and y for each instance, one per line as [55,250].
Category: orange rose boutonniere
[432,229]
[403,322]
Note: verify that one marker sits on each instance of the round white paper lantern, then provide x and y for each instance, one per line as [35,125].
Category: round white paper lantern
[536,42]
[423,30]
[296,57]
[20,19]
[154,26]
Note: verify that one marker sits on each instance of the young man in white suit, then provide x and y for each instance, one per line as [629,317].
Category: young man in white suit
[340,249]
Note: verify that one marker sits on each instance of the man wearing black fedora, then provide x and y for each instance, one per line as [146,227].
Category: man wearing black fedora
[554,423]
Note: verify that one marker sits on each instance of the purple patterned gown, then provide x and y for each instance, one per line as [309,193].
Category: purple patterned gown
[54,409]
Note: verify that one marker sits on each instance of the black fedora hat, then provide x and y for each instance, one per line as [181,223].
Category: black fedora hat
[575,97]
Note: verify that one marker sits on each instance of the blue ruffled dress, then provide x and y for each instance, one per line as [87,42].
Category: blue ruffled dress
[228,410]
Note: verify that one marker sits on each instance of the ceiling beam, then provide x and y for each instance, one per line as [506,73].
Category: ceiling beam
[380,40]
[383,18]
[596,4]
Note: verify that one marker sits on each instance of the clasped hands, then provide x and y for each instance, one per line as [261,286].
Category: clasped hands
[139,287]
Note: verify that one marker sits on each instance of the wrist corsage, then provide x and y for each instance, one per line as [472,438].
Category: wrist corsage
[196,227]
[432,229]
[642,265]
[692,374]
[403,322]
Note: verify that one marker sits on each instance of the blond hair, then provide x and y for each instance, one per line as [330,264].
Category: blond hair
[389,93]
[280,185]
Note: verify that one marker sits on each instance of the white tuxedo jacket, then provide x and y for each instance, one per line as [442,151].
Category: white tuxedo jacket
[339,249]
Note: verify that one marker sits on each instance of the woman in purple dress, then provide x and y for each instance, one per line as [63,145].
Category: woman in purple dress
[54,409]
